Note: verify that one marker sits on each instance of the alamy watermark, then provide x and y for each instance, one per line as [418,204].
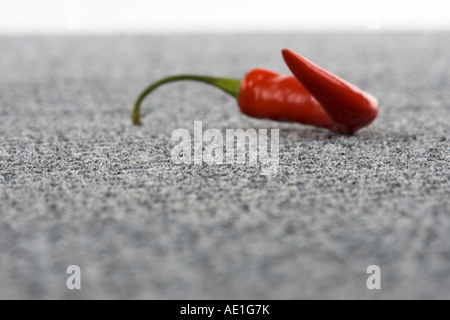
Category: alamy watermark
[74,17]
[374,280]
[235,146]
[73,282]
[373,21]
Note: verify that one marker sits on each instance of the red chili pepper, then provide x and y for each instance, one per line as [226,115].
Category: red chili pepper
[349,107]
[314,96]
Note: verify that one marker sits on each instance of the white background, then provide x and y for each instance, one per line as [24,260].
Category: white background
[162,16]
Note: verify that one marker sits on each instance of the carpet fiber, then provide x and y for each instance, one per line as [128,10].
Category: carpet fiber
[79,185]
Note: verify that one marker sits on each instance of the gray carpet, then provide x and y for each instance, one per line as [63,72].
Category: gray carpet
[80,185]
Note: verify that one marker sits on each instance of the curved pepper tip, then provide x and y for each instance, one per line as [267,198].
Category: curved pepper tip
[349,107]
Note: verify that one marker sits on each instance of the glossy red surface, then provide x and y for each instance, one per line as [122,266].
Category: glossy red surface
[348,107]
[266,94]
[312,96]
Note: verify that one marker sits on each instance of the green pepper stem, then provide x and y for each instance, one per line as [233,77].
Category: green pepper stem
[230,86]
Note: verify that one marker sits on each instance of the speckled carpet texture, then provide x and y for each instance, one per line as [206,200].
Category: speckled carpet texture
[79,185]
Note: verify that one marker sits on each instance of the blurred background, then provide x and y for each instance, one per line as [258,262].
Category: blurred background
[231,16]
